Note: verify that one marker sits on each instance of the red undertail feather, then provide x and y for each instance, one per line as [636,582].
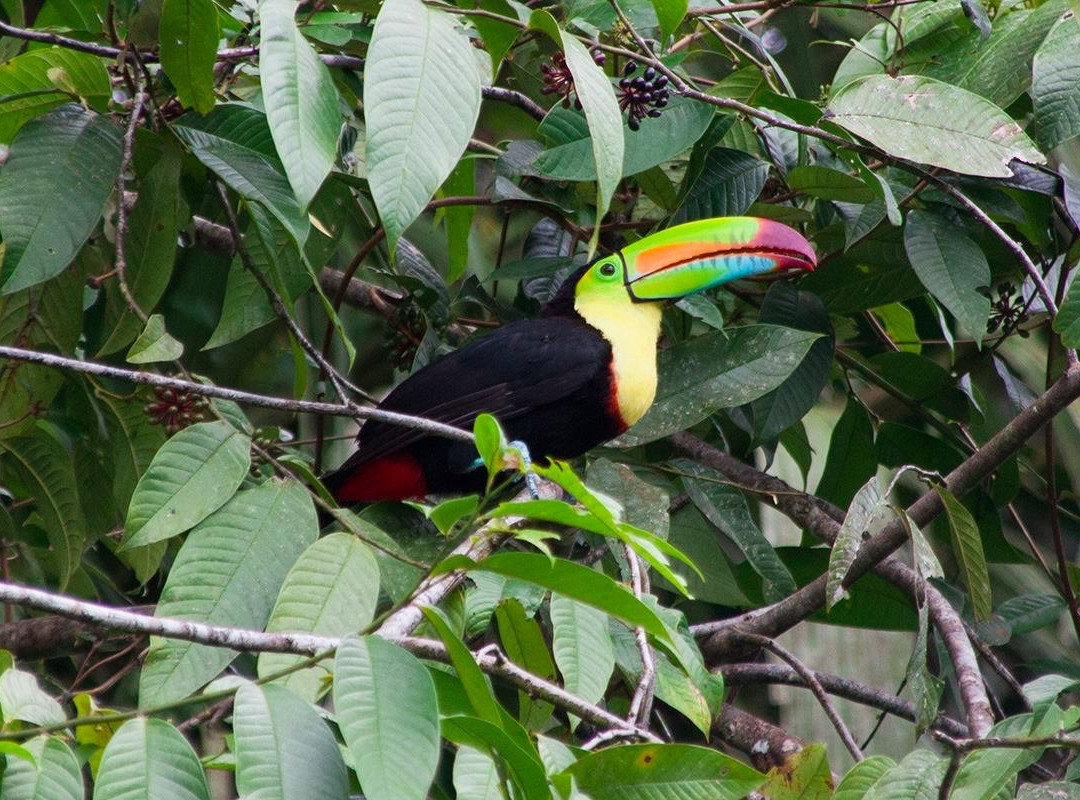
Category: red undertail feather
[396,476]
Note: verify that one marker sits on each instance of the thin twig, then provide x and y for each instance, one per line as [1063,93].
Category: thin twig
[121,207]
[641,702]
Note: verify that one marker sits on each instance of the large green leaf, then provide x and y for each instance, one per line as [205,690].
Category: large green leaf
[53,775]
[522,759]
[301,100]
[582,647]
[968,548]
[474,683]
[284,749]
[421,101]
[917,777]
[728,183]
[149,759]
[571,579]
[1055,86]
[851,460]
[196,471]
[388,715]
[150,249]
[682,123]
[867,508]
[22,699]
[669,13]
[861,778]
[1067,321]
[188,32]
[804,775]
[331,590]
[476,775]
[640,771]
[524,644]
[951,266]
[47,471]
[986,773]
[930,122]
[27,89]
[228,572]
[57,177]
[829,184]
[719,370]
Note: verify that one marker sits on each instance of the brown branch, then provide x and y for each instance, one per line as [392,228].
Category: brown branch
[121,206]
[767,745]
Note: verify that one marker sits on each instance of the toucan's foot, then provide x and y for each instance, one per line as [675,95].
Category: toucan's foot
[531,481]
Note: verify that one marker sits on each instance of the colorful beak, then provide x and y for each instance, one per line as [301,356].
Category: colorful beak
[699,255]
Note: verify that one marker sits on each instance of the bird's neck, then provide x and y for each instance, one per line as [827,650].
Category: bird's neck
[632,330]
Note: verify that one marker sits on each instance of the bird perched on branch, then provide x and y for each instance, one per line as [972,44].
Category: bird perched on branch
[575,377]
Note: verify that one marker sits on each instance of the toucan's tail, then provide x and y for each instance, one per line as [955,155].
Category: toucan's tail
[394,476]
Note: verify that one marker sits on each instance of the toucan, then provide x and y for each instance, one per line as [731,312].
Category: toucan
[576,376]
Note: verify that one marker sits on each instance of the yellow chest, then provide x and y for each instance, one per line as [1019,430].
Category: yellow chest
[632,330]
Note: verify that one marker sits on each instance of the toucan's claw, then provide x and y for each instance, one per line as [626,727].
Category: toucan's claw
[531,481]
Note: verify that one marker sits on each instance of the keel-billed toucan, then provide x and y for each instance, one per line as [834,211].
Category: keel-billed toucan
[577,376]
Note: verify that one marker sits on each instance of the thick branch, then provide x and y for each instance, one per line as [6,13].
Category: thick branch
[767,745]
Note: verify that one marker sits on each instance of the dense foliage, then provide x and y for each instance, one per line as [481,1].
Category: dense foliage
[227,226]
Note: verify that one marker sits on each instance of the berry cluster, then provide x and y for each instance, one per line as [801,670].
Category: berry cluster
[1008,310]
[175,409]
[559,80]
[642,96]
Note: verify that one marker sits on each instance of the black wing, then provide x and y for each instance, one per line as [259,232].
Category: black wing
[509,372]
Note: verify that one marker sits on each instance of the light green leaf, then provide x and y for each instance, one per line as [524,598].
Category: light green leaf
[196,471]
[930,122]
[917,777]
[669,13]
[387,711]
[1055,87]
[968,547]
[301,100]
[718,370]
[524,764]
[805,775]
[284,749]
[27,90]
[148,759]
[638,771]
[22,699]
[582,647]
[862,777]
[188,33]
[951,266]
[228,572]
[867,509]
[829,184]
[58,174]
[1067,321]
[331,590]
[154,344]
[524,644]
[924,687]
[1051,790]
[421,102]
[52,775]
[475,775]
[473,681]
[984,773]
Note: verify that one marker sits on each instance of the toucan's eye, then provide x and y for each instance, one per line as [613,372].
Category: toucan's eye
[607,269]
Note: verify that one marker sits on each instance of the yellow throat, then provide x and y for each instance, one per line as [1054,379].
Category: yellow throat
[632,330]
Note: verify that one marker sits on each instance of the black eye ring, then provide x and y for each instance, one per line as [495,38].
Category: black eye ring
[607,269]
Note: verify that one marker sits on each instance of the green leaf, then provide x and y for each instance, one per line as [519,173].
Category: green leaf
[284,749]
[188,32]
[829,184]
[951,266]
[718,370]
[490,442]
[851,460]
[53,774]
[725,507]
[633,771]
[27,89]
[583,648]
[525,765]
[150,249]
[476,775]
[924,687]
[421,102]
[48,472]
[924,120]
[917,777]
[22,699]
[331,590]
[1067,321]
[301,100]
[861,778]
[1055,86]
[867,509]
[148,759]
[1051,790]
[58,174]
[475,683]
[984,773]
[597,97]
[154,344]
[524,644]
[805,775]
[458,219]
[682,123]
[1030,612]
[643,504]
[669,13]
[572,580]
[967,545]
[387,712]
[196,471]
[228,572]
[729,182]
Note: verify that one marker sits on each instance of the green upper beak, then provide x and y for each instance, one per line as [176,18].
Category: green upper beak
[699,255]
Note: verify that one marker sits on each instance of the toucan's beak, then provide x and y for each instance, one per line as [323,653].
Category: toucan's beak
[699,255]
